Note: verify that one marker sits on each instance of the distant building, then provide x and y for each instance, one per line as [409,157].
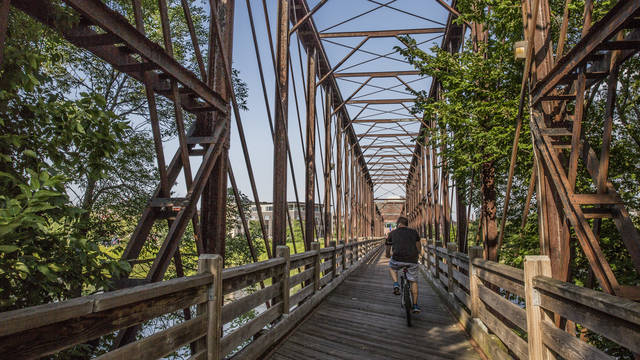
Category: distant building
[267,213]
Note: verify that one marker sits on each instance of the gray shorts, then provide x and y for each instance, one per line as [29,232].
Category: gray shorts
[412,268]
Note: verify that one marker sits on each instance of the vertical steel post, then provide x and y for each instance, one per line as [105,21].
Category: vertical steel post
[280,139]
[327,165]
[310,155]
[339,231]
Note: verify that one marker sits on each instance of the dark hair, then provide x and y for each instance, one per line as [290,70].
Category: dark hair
[403,221]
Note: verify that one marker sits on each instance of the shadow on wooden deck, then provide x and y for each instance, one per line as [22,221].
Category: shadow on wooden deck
[362,319]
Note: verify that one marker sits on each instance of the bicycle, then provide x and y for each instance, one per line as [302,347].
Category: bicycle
[406,298]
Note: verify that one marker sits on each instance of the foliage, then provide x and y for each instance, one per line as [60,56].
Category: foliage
[237,251]
[478,97]
[45,255]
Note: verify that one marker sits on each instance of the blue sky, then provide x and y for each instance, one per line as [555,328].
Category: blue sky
[255,120]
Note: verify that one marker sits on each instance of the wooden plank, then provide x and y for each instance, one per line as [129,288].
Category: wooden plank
[442,266]
[112,299]
[163,343]
[500,281]
[241,281]
[301,295]
[302,262]
[245,304]
[302,256]
[51,338]
[612,305]
[461,278]
[325,266]
[38,316]
[230,273]
[463,297]
[325,279]
[259,345]
[506,308]
[237,337]
[501,269]
[568,346]
[443,279]
[616,329]
[200,355]
[42,315]
[300,277]
[515,343]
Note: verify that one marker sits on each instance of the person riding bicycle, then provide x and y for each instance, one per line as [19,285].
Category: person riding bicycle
[405,243]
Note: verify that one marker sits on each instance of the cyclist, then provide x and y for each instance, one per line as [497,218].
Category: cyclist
[405,243]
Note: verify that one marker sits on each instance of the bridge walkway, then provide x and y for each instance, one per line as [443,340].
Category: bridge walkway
[362,319]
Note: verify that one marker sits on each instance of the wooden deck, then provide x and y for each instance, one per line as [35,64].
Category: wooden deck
[362,319]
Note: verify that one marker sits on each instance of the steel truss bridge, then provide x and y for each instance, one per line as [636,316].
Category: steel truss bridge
[357,132]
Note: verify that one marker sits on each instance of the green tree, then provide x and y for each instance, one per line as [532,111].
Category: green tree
[477,101]
[44,253]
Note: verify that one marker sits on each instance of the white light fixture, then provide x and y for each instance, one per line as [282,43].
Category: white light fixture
[520,49]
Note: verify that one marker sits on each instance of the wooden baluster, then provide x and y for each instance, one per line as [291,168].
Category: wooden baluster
[538,265]
[344,256]
[315,246]
[284,252]
[212,264]
[451,252]
[334,264]
[474,252]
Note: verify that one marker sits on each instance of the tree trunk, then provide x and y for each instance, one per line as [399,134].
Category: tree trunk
[490,230]
[461,219]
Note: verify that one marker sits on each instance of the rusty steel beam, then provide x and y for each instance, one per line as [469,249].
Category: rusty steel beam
[387,135]
[385,121]
[123,33]
[376,74]
[280,128]
[310,169]
[381,101]
[307,17]
[381,33]
[309,37]
[327,166]
[606,28]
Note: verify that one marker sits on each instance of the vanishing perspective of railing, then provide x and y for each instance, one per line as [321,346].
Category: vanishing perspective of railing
[295,284]
[526,314]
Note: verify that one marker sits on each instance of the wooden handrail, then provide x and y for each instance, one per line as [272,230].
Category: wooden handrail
[47,329]
[482,289]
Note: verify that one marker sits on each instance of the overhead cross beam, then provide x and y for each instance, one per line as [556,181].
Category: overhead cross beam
[382,33]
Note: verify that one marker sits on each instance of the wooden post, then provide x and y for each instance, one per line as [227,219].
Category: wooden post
[356,245]
[436,265]
[284,252]
[334,264]
[451,253]
[212,264]
[474,252]
[344,256]
[315,246]
[427,251]
[538,265]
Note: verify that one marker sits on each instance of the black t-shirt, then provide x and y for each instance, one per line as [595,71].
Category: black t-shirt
[403,242]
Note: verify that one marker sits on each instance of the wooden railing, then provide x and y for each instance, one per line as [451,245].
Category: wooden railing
[512,313]
[38,331]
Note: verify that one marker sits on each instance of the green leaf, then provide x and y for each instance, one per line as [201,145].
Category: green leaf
[30,153]
[20,266]
[8,248]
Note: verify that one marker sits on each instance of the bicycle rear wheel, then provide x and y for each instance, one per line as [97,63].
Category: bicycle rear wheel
[406,298]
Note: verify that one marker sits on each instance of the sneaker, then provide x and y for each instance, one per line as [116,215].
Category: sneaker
[416,309]
[396,288]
